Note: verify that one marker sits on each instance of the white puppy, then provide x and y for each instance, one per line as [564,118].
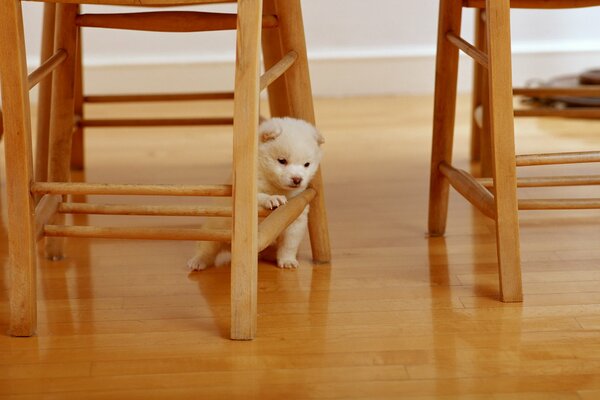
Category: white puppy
[288,156]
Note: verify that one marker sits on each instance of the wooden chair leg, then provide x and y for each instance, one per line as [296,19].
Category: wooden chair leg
[299,94]
[244,245]
[502,133]
[77,151]
[61,130]
[45,96]
[446,76]
[272,53]
[478,74]
[485,139]
[485,136]
[19,170]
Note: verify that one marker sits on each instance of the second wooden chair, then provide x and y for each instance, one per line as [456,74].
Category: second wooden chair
[495,197]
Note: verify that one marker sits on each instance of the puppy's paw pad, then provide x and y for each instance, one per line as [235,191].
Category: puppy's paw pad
[196,264]
[275,201]
[291,263]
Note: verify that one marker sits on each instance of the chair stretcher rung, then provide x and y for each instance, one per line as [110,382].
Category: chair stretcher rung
[168,21]
[142,233]
[575,112]
[580,91]
[282,217]
[559,204]
[149,210]
[470,50]
[46,68]
[549,181]
[77,188]
[157,97]
[278,69]
[114,123]
[470,189]
[558,158]
[46,208]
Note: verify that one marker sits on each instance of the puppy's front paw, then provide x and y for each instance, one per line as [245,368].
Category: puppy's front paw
[288,263]
[196,264]
[273,201]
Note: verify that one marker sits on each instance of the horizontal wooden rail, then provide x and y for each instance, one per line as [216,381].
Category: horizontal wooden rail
[580,91]
[149,210]
[558,158]
[46,68]
[282,217]
[168,21]
[44,211]
[576,112]
[537,4]
[472,51]
[549,181]
[156,97]
[471,190]
[143,233]
[559,204]
[278,69]
[77,188]
[119,123]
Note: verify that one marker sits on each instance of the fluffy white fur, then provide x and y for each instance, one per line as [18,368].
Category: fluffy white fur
[289,154]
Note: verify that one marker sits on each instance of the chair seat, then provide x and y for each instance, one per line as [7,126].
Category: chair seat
[142,3]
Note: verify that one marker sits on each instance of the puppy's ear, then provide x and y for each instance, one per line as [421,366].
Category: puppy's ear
[319,137]
[268,130]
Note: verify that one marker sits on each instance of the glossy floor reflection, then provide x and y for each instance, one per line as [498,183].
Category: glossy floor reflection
[396,315]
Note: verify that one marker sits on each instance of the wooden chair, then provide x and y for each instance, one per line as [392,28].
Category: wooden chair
[496,197]
[283,37]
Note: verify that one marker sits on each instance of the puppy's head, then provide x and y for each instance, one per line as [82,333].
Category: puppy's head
[289,152]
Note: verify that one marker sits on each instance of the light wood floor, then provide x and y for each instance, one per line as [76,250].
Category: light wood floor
[396,315]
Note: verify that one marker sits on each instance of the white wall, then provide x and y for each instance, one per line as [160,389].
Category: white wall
[355,47]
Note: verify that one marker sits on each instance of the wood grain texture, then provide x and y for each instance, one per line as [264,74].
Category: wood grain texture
[19,170]
[168,21]
[44,96]
[62,111]
[503,148]
[398,315]
[446,76]
[244,240]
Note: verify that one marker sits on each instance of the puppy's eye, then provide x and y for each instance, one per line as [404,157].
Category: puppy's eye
[282,161]
[307,165]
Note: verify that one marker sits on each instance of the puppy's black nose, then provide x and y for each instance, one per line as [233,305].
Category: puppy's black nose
[297,180]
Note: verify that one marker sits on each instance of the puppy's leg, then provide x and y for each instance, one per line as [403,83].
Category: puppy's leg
[205,255]
[269,201]
[206,252]
[289,241]
[224,257]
